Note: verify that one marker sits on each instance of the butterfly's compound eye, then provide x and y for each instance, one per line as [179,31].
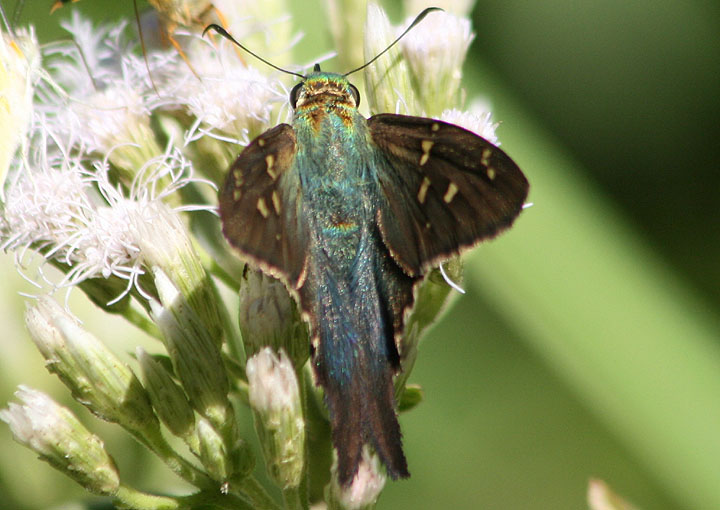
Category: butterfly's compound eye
[355,94]
[294,94]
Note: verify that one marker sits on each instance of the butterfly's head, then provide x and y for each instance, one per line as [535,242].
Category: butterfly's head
[319,88]
[324,88]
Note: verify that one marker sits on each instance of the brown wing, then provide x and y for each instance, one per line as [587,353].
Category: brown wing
[260,206]
[444,189]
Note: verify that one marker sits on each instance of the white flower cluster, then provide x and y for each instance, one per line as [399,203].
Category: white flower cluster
[97,176]
[76,216]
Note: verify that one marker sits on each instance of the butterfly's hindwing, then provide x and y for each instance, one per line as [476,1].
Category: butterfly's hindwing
[259,206]
[443,189]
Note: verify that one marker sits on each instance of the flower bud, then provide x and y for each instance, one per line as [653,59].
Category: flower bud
[213,454]
[55,434]
[195,357]
[435,51]
[364,489]
[388,84]
[269,317]
[168,399]
[94,375]
[225,461]
[165,243]
[275,399]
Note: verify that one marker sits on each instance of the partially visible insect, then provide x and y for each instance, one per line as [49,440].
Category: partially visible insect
[172,14]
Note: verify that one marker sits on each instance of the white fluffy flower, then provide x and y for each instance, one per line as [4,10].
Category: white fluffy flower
[229,100]
[105,93]
[477,119]
[73,214]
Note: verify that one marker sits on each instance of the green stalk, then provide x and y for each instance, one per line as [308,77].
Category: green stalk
[251,488]
[175,462]
[130,498]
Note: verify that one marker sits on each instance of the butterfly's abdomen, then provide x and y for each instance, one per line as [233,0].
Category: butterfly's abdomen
[355,357]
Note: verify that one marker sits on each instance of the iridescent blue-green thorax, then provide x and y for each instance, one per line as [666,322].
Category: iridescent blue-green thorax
[327,122]
[337,187]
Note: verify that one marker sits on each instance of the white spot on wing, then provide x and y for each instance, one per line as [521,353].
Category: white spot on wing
[422,192]
[452,190]
[262,207]
[426,145]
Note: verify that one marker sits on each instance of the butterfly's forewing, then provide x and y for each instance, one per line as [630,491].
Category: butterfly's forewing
[444,189]
[259,206]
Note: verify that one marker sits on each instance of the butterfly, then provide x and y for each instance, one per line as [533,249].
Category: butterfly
[351,214]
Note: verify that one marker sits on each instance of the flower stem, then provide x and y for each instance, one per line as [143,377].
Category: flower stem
[181,467]
[131,498]
[250,488]
[293,500]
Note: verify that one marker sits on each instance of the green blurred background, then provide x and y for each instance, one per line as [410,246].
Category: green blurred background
[588,343]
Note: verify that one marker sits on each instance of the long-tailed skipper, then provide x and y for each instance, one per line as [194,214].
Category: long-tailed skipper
[351,213]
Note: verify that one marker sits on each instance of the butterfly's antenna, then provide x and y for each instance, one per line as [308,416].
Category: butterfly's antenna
[142,46]
[417,20]
[220,30]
